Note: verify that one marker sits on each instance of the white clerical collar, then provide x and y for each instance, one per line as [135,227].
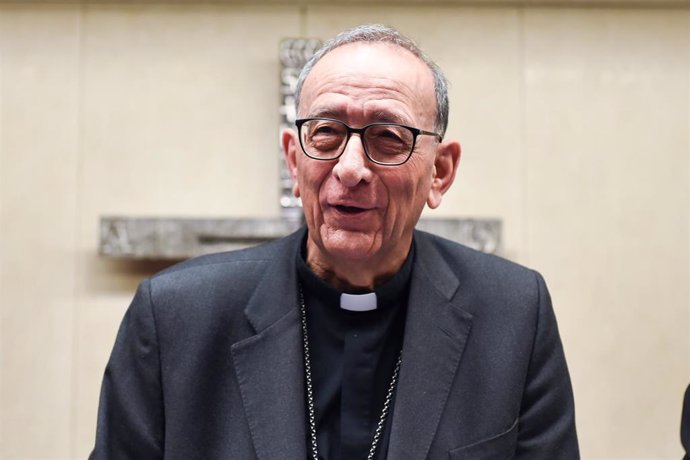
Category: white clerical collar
[358,302]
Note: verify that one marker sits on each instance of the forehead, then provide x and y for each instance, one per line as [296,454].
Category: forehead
[374,81]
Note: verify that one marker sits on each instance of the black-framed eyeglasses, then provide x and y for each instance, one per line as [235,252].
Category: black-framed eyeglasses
[388,144]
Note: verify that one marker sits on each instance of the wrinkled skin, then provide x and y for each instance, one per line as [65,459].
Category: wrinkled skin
[360,215]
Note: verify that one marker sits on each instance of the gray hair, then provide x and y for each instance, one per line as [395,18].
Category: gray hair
[377,33]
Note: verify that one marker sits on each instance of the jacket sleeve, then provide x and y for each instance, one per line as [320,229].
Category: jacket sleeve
[685,424]
[546,428]
[130,413]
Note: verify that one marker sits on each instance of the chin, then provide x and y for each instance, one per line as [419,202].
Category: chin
[350,245]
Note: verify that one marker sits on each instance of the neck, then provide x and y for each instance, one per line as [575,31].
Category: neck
[352,276]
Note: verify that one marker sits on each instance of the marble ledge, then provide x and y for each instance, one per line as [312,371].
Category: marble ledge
[151,238]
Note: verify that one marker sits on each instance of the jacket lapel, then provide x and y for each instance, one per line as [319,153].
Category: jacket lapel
[435,335]
[269,365]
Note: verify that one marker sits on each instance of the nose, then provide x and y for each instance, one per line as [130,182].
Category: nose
[352,167]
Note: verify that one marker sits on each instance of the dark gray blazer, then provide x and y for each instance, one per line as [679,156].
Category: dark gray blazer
[207,363]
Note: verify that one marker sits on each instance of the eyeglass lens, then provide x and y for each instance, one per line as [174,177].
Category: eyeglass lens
[326,139]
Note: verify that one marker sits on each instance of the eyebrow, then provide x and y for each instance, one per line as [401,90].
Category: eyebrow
[388,117]
[326,113]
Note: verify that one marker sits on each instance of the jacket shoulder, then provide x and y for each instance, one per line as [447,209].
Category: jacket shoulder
[468,262]
[484,284]
[277,251]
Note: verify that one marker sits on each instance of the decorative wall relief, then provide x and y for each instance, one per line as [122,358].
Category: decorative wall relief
[294,53]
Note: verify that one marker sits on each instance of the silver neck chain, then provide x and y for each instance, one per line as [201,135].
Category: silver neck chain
[310,391]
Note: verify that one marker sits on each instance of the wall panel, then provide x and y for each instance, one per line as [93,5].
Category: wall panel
[39,124]
[606,117]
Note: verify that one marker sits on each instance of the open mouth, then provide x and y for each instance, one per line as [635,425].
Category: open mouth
[349,209]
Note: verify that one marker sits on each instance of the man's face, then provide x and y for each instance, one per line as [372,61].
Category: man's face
[361,215]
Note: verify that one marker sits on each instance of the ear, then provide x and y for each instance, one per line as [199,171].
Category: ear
[445,167]
[291,150]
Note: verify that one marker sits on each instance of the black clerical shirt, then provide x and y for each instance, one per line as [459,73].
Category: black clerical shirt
[353,355]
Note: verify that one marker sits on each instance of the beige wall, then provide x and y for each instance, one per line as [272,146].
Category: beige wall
[575,123]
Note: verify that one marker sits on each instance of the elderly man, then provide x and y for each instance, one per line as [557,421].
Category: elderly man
[357,337]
